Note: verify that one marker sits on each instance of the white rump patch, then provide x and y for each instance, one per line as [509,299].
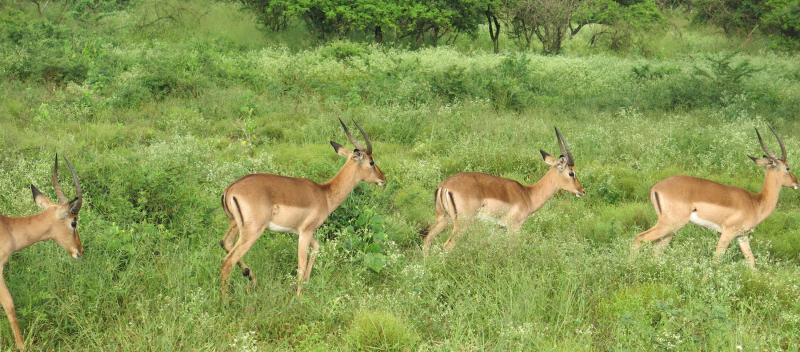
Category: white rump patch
[278,228]
[704,223]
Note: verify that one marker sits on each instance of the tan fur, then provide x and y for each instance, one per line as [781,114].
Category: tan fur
[466,196]
[732,211]
[16,233]
[289,204]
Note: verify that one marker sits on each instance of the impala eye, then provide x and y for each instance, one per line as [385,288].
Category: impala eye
[74,223]
[372,163]
[571,174]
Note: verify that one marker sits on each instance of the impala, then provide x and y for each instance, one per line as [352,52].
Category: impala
[731,211]
[469,195]
[57,221]
[258,202]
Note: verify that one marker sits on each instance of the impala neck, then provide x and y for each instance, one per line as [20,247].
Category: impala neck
[340,186]
[543,190]
[768,198]
[28,230]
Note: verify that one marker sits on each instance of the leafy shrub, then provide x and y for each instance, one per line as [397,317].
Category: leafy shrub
[509,88]
[732,15]
[343,50]
[451,83]
[721,72]
[647,72]
[39,51]
[361,232]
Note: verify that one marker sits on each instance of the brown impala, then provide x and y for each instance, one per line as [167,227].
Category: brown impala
[58,221]
[258,202]
[731,211]
[469,195]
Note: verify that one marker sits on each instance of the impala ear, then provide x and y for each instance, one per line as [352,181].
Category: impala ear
[548,159]
[74,206]
[358,154]
[339,149]
[39,198]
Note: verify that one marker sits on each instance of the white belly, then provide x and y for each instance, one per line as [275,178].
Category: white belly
[278,228]
[490,219]
[704,223]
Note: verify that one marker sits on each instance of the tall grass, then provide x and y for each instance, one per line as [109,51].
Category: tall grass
[158,127]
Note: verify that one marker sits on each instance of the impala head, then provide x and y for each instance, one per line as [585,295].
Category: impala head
[564,166]
[63,214]
[365,166]
[774,164]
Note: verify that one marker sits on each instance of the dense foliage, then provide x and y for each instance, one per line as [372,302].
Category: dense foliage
[161,104]
[619,22]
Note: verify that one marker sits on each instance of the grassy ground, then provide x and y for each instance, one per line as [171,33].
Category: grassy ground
[158,127]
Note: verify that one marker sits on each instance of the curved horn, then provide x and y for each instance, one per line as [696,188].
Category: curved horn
[54,180]
[77,183]
[780,141]
[562,143]
[366,138]
[764,145]
[349,135]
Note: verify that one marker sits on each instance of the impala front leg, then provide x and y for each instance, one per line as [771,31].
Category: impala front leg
[744,245]
[514,222]
[8,306]
[303,242]
[724,241]
[311,258]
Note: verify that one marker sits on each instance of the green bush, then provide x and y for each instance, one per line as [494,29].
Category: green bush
[380,331]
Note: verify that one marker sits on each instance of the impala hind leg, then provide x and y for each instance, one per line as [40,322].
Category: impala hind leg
[247,237]
[8,306]
[227,243]
[662,231]
[433,231]
[229,238]
[458,226]
[662,243]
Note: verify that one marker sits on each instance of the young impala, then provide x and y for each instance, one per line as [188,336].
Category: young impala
[731,211]
[58,221]
[258,202]
[469,195]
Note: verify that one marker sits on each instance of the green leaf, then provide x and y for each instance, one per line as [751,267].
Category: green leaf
[375,261]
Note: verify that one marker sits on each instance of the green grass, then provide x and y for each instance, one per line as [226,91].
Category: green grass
[158,127]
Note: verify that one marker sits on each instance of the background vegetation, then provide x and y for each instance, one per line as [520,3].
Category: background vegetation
[161,104]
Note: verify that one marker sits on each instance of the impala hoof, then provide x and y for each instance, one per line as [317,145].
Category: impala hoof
[246,273]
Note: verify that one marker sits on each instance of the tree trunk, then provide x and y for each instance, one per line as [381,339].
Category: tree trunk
[494,28]
[378,35]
